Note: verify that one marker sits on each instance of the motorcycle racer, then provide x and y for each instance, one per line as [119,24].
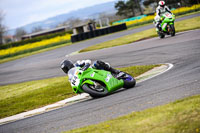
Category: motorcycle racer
[98,79]
[160,10]
[66,65]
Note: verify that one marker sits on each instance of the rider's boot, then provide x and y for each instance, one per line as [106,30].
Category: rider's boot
[160,29]
[106,66]
[158,26]
[115,71]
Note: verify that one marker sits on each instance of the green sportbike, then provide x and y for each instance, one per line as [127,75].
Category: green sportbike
[98,83]
[167,25]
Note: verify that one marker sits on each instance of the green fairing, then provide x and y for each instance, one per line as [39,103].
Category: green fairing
[166,21]
[100,75]
[88,82]
[105,77]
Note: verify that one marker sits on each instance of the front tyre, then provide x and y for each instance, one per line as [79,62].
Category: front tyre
[96,90]
[172,30]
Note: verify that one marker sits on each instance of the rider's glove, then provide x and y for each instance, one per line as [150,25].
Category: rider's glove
[85,67]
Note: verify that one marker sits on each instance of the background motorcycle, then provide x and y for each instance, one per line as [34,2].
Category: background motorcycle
[167,25]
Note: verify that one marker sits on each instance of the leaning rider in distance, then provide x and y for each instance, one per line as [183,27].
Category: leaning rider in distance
[160,10]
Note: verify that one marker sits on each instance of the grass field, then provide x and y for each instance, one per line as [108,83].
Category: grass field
[21,97]
[182,116]
[189,24]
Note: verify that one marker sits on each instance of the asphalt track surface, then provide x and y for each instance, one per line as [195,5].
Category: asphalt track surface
[183,80]
[47,64]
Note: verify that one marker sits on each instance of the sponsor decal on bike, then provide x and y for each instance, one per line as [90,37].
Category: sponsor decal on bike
[92,75]
[75,81]
[109,76]
[168,15]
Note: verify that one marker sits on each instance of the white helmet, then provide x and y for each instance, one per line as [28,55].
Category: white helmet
[161,3]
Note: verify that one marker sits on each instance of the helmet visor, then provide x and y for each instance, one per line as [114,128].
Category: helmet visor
[162,5]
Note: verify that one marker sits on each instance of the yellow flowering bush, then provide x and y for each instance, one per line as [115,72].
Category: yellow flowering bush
[28,46]
[178,11]
[186,9]
[144,19]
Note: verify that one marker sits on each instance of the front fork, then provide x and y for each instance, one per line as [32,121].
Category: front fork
[169,27]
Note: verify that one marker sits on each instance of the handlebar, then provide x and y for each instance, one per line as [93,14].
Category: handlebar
[86,67]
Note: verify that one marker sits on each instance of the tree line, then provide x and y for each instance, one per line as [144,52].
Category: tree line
[18,33]
[131,8]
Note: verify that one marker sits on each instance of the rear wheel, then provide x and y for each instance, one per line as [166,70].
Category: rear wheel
[129,81]
[96,90]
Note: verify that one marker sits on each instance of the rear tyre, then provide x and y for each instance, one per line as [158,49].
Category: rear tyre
[129,81]
[95,92]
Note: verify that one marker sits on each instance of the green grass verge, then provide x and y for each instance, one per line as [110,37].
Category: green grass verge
[189,24]
[182,116]
[21,97]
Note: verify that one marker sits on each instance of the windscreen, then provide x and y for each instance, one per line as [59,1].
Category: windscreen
[71,73]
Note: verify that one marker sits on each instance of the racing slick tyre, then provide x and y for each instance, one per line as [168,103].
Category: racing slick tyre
[95,91]
[172,33]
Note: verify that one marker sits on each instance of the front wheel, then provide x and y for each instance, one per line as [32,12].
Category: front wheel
[97,90]
[172,30]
